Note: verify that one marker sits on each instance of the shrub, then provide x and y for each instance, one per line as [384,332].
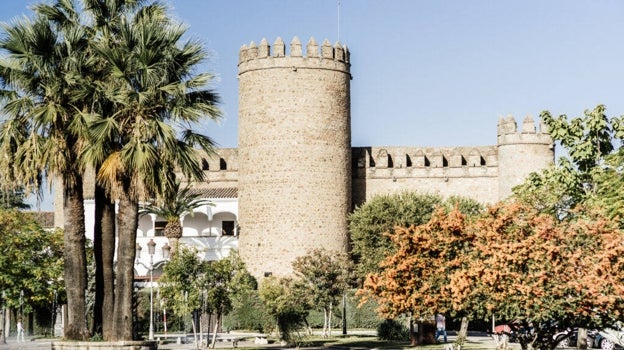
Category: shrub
[392,330]
[248,314]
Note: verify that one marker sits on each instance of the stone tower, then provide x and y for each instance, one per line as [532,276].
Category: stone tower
[521,152]
[294,151]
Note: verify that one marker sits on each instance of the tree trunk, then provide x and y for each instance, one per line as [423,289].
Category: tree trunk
[463,331]
[412,334]
[104,252]
[2,324]
[324,334]
[329,323]
[214,334]
[581,341]
[108,267]
[193,321]
[123,323]
[75,268]
[31,324]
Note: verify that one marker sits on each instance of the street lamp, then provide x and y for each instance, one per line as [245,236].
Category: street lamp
[166,250]
[151,248]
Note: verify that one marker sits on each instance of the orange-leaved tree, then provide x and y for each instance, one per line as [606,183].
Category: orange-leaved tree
[543,273]
[415,279]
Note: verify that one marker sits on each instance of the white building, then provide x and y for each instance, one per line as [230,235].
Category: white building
[212,229]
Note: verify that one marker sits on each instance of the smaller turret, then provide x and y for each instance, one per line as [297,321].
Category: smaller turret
[521,152]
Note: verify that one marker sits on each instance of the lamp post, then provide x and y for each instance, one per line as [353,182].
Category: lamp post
[166,250]
[151,247]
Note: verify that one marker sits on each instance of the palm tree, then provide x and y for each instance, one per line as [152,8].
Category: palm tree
[172,204]
[105,18]
[41,71]
[150,87]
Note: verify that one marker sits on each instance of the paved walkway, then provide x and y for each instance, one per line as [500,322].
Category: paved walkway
[476,342]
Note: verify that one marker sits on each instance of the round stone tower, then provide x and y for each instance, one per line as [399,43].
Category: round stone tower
[521,152]
[294,147]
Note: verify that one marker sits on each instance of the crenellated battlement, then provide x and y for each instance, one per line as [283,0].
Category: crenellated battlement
[529,132]
[336,52]
[423,157]
[264,56]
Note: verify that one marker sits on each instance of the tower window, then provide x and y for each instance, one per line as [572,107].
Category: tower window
[222,164]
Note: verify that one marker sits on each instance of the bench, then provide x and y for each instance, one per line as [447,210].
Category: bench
[231,338]
[180,338]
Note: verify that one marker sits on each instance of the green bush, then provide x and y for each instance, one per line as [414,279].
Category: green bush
[392,330]
[362,316]
[249,314]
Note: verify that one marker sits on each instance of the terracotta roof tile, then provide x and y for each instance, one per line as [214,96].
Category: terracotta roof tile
[223,192]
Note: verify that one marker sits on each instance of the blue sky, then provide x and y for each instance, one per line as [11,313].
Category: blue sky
[426,73]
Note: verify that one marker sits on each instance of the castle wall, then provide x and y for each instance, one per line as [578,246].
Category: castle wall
[460,171]
[295,178]
[295,153]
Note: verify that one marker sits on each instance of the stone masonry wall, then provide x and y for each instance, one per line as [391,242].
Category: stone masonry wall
[294,153]
[447,171]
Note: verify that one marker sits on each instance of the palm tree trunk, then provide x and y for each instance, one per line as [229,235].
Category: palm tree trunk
[75,272]
[123,323]
[104,252]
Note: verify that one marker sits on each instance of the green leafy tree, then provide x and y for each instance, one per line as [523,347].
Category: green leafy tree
[325,276]
[180,285]
[31,263]
[380,214]
[609,181]
[286,303]
[189,284]
[587,142]
[222,281]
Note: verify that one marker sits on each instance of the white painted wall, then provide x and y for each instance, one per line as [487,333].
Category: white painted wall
[201,230]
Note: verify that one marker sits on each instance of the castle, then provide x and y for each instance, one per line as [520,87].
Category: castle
[294,178]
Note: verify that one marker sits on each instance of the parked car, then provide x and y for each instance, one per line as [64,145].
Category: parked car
[610,339]
[569,337]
